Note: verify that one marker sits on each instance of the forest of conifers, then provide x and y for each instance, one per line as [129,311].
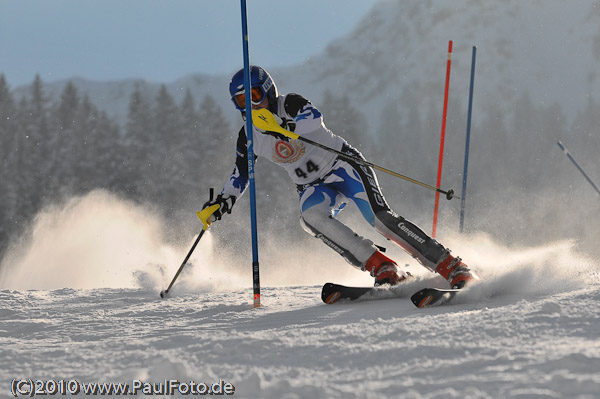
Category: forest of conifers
[168,153]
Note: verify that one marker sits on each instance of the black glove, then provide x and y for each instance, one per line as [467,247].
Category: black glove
[225,204]
[278,136]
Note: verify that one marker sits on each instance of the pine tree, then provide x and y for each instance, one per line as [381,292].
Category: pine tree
[87,165]
[163,150]
[27,160]
[101,156]
[213,131]
[66,142]
[8,119]
[34,120]
[21,196]
[212,149]
[188,148]
[137,145]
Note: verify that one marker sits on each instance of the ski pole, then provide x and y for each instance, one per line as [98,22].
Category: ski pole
[164,293]
[562,147]
[204,215]
[264,120]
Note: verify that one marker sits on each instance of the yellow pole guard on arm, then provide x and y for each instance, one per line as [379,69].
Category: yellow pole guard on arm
[264,120]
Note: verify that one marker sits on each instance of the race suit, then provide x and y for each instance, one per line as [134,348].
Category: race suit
[326,182]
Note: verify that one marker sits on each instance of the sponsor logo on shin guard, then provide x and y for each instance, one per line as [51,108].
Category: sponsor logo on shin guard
[411,233]
[330,244]
[374,186]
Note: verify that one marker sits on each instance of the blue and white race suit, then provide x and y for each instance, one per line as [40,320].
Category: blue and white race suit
[327,182]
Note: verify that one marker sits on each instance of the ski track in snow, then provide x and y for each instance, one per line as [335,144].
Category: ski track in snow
[491,344]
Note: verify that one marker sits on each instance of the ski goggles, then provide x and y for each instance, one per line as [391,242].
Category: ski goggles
[257,95]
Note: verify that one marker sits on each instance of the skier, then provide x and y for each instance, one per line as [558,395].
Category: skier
[326,183]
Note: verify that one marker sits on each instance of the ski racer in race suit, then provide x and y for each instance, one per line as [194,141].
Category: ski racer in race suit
[326,183]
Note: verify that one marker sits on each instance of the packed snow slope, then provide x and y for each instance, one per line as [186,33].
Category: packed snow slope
[80,302]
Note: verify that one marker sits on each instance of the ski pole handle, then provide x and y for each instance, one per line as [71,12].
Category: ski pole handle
[206,215]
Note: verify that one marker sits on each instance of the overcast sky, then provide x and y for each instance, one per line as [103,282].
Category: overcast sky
[162,40]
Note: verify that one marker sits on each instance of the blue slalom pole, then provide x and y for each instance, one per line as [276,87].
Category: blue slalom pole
[463,196]
[255,269]
[568,154]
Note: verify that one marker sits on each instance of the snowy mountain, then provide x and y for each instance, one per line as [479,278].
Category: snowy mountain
[549,48]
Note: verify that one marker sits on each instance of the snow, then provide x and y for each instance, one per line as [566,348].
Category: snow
[88,309]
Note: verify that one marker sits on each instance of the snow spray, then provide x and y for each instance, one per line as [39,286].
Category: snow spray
[97,241]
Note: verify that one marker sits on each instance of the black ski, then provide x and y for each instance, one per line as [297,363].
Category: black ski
[430,297]
[332,293]
[425,298]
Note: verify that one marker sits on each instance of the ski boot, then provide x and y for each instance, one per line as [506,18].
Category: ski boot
[385,270]
[456,272]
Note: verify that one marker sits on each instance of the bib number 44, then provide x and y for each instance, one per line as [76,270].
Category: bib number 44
[310,167]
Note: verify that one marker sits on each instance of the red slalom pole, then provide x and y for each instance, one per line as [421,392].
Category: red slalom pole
[443,136]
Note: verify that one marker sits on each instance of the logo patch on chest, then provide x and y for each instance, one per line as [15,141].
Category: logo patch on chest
[288,151]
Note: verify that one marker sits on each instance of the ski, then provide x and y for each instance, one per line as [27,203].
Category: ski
[424,298]
[430,297]
[332,293]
